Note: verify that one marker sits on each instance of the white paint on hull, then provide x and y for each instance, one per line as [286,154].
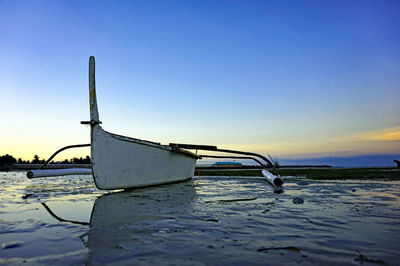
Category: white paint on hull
[122,162]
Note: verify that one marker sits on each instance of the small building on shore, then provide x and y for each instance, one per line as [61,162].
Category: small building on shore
[227,164]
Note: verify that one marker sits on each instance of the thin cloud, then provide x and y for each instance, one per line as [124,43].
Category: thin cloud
[381,135]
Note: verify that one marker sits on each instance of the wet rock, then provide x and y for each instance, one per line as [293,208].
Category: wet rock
[211,220]
[14,244]
[231,200]
[265,211]
[289,248]
[298,201]
[362,258]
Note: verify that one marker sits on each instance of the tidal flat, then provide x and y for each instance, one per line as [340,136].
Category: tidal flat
[209,220]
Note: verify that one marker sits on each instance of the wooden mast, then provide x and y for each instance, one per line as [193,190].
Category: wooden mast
[94,113]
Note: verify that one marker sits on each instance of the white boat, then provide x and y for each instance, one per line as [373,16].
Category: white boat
[123,162]
[120,162]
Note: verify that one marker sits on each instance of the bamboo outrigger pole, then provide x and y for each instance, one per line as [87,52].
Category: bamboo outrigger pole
[40,172]
[274,180]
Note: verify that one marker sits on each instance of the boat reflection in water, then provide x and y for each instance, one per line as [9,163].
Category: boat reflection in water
[124,226]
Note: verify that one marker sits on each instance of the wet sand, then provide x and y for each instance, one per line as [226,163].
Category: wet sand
[204,221]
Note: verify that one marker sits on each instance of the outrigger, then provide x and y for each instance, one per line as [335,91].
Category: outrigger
[120,162]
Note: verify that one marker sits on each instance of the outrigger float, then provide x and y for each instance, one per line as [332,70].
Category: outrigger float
[120,162]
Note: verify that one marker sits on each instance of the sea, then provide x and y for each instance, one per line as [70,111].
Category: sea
[203,221]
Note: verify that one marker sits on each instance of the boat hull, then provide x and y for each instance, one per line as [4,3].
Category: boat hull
[120,162]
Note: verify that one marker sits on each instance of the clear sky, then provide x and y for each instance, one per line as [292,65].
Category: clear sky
[290,78]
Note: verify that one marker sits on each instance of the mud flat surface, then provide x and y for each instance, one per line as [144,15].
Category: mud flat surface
[204,221]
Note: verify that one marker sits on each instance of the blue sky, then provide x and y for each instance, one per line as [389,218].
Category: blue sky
[290,78]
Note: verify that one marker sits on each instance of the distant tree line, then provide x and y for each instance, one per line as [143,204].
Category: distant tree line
[6,161]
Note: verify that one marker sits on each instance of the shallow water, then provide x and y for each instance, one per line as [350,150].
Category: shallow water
[207,220]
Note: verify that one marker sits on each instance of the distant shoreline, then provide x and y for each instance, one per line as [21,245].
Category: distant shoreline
[381,173]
